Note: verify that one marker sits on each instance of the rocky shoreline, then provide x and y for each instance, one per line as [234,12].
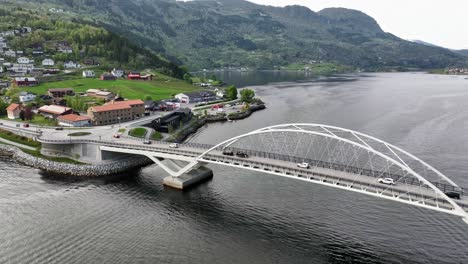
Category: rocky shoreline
[79,170]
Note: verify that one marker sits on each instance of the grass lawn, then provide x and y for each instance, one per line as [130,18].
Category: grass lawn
[19,139]
[79,134]
[41,120]
[156,136]
[161,87]
[37,153]
[138,132]
[122,130]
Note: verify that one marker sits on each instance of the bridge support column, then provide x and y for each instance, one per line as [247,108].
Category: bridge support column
[189,179]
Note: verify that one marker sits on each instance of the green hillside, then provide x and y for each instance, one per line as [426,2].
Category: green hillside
[222,33]
[89,43]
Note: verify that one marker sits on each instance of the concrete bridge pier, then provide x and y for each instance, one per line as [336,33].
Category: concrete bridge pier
[189,179]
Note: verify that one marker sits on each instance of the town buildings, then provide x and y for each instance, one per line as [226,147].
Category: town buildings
[25,81]
[107,77]
[48,62]
[53,111]
[13,111]
[73,120]
[25,97]
[116,112]
[196,97]
[107,96]
[118,72]
[174,120]
[89,74]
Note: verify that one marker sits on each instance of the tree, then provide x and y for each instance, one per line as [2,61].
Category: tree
[3,107]
[247,95]
[231,92]
[148,98]
[21,115]
[28,114]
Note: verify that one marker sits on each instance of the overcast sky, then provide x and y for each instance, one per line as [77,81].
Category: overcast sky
[440,22]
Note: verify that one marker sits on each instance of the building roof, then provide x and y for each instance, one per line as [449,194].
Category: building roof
[73,118]
[103,93]
[93,91]
[131,102]
[60,90]
[199,94]
[109,107]
[13,107]
[23,79]
[54,109]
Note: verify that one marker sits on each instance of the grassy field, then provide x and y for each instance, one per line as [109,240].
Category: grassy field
[19,139]
[161,87]
[138,132]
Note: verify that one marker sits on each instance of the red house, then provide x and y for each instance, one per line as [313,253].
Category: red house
[138,76]
[25,81]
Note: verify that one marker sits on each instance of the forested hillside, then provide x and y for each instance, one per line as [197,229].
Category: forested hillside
[210,34]
[86,42]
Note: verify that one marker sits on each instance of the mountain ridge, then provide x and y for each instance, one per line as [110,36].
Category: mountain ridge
[212,34]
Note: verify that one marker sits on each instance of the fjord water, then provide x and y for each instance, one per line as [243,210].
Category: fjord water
[246,217]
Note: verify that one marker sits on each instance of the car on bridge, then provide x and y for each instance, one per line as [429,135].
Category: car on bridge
[147,142]
[241,154]
[174,145]
[388,181]
[228,152]
[303,165]
[453,195]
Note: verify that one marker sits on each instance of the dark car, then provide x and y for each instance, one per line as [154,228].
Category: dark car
[26,125]
[147,142]
[453,195]
[228,152]
[241,154]
[59,128]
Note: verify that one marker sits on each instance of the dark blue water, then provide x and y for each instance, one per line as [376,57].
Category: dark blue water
[245,217]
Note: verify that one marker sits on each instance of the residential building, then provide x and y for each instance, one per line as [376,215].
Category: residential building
[71,65]
[25,97]
[65,49]
[89,74]
[25,81]
[48,62]
[118,72]
[10,53]
[60,92]
[73,120]
[3,45]
[116,112]
[53,111]
[174,119]
[105,95]
[24,60]
[196,97]
[14,110]
[108,77]
[138,76]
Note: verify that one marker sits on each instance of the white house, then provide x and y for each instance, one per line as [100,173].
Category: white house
[71,65]
[72,120]
[220,93]
[24,60]
[89,74]
[117,72]
[10,53]
[48,62]
[65,49]
[3,45]
[25,97]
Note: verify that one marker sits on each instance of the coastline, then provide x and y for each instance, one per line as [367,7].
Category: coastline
[77,170]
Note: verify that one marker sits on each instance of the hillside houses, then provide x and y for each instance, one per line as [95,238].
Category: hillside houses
[89,74]
[118,72]
[71,65]
[24,60]
[25,81]
[48,62]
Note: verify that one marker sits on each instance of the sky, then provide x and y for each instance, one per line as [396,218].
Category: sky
[440,22]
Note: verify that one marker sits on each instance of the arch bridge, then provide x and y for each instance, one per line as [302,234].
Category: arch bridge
[331,156]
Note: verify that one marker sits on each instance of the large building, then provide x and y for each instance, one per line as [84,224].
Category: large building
[60,92]
[25,81]
[73,120]
[53,111]
[174,120]
[116,112]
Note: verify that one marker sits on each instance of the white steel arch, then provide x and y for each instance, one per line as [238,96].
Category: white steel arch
[395,156]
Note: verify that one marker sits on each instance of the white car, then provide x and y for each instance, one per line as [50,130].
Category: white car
[303,165]
[388,181]
[174,145]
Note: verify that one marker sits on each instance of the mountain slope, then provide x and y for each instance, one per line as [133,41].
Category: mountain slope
[206,34]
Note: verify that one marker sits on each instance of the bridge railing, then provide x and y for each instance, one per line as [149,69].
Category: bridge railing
[274,156]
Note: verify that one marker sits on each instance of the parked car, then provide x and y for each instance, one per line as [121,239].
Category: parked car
[26,125]
[147,142]
[18,125]
[116,136]
[174,145]
[388,181]
[241,154]
[59,128]
[303,165]
[228,152]
[453,195]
